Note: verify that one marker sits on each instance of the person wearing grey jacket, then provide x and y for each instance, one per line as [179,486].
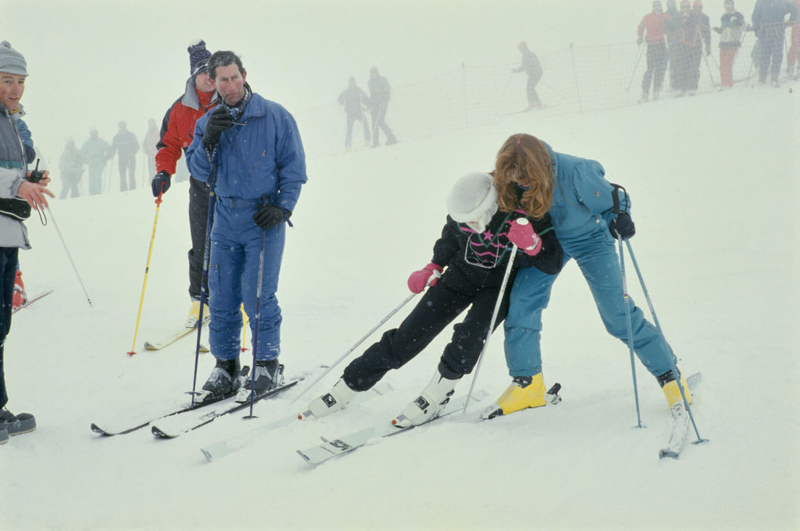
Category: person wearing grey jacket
[17,196]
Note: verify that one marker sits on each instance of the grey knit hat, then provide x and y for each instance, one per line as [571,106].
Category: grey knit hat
[11,61]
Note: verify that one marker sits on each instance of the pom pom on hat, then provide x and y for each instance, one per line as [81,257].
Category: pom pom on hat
[198,57]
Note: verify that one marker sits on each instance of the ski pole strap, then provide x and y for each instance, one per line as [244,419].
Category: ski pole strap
[615,196]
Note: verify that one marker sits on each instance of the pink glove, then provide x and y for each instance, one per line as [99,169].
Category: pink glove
[419,279]
[523,236]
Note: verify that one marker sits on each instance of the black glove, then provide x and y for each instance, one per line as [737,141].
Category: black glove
[622,225]
[160,178]
[270,215]
[220,120]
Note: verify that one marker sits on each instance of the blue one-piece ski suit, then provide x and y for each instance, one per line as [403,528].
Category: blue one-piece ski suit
[582,207]
[261,155]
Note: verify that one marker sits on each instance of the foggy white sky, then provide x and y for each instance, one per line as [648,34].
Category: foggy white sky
[95,62]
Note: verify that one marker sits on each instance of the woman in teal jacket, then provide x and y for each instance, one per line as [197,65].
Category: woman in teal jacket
[530,175]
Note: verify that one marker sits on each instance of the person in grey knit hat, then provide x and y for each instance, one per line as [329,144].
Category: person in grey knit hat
[16,193]
[11,61]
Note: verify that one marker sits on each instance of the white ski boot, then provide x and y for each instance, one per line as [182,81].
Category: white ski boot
[335,400]
[428,404]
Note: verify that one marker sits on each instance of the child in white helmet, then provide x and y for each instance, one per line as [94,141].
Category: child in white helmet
[466,271]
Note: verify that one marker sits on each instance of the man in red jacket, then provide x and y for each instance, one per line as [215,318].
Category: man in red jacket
[652,28]
[177,131]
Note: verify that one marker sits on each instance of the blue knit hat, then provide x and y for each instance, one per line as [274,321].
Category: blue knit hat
[11,61]
[198,57]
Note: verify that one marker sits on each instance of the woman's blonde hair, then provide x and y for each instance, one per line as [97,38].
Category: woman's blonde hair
[524,160]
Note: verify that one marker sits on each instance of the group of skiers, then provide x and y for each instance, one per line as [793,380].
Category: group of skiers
[247,150]
[94,155]
[356,102]
[678,38]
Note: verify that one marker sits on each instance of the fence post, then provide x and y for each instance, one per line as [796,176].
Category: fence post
[466,95]
[575,74]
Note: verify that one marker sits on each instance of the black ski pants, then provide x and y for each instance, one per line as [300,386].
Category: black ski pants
[460,287]
[198,222]
[656,67]
[8,272]
[378,112]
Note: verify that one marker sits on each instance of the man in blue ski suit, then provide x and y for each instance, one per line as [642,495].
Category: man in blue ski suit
[249,151]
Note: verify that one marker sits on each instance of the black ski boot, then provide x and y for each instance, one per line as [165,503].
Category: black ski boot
[16,424]
[224,381]
[268,375]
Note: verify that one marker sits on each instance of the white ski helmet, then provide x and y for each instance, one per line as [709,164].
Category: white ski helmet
[473,200]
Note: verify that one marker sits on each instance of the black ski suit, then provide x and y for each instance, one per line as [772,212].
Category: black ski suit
[475,266]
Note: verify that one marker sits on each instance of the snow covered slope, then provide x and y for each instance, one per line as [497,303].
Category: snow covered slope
[714,182]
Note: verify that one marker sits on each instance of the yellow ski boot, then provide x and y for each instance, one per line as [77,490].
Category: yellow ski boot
[194,314]
[671,390]
[523,393]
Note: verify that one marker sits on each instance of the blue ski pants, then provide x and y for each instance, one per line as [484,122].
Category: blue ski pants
[233,280]
[597,258]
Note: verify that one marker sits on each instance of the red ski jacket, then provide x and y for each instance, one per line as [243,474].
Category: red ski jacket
[177,128]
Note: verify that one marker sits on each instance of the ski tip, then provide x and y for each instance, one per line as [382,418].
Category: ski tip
[207,455]
[304,415]
[97,429]
[304,456]
[663,453]
[159,434]
[489,415]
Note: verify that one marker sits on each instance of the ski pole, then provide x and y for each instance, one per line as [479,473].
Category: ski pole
[627,300]
[635,67]
[212,178]
[661,333]
[66,249]
[496,311]
[257,322]
[147,270]
[372,331]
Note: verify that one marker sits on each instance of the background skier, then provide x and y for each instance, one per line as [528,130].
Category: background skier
[177,131]
[533,67]
[126,146]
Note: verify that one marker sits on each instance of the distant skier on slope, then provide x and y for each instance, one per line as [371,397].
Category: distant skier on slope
[472,253]
[533,67]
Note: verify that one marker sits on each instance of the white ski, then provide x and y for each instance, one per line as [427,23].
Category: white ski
[680,422]
[329,449]
[220,449]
